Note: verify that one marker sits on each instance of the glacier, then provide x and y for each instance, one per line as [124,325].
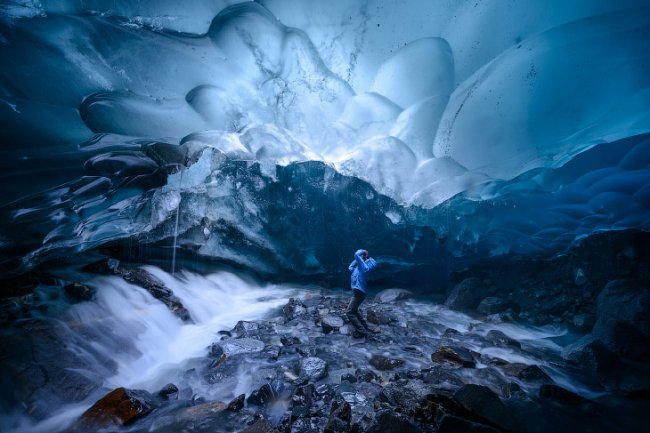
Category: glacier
[271,138]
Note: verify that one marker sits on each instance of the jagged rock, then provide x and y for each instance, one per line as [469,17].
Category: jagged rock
[304,395]
[383,363]
[388,296]
[466,295]
[455,355]
[168,391]
[237,403]
[340,417]
[590,354]
[261,396]
[485,404]
[216,350]
[119,407]
[623,323]
[79,292]
[399,395]
[245,328]
[498,338]
[454,424]
[349,377]
[331,323]
[313,367]
[242,345]
[294,309]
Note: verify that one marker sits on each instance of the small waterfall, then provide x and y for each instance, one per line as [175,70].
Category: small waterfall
[148,344]
[178,208]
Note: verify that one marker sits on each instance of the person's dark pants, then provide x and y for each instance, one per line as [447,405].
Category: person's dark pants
[353,314]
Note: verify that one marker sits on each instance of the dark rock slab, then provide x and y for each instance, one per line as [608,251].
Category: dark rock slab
[201,411]
[485,404]
[623,325]
[456,355]
[564,396]
[79,292]
[294,309]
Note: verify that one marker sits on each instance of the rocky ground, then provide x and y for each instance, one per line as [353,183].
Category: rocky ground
[428,370]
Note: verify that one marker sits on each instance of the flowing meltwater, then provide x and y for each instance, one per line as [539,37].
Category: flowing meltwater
[149,344]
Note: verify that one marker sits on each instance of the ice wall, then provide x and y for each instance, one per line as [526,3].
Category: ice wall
[119,116]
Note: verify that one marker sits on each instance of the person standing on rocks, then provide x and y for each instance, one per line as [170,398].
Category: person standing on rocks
[360,266]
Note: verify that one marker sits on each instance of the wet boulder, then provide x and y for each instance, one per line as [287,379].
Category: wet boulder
[236,404]
[384,364]
[169,391]
[313,368]
[241,345]
[466,295]
[79,292]
[498,338]
[563,396]
[119,407]
[201,411]
[331,323]
[456,355]
[389,296]
[260,426]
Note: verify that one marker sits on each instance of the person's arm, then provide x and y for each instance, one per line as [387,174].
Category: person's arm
[360,263]
[352,265]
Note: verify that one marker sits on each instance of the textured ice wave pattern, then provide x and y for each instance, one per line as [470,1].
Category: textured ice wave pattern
[149,105]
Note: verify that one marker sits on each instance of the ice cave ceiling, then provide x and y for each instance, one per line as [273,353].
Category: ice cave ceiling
[481,127]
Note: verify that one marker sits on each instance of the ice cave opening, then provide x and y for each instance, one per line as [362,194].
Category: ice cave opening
[185,185]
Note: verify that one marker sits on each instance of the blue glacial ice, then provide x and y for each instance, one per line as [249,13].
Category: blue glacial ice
[521,136]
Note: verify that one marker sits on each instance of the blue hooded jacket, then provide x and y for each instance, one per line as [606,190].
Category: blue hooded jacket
[359,269]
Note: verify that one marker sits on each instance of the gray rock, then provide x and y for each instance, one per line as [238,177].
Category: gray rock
[466,295]
[242,345]
[455,355]
[313,367]
[331,323]
[498,338]
[383,363]
[392,295]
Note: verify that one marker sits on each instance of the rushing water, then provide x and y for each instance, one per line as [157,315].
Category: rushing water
[149,345]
